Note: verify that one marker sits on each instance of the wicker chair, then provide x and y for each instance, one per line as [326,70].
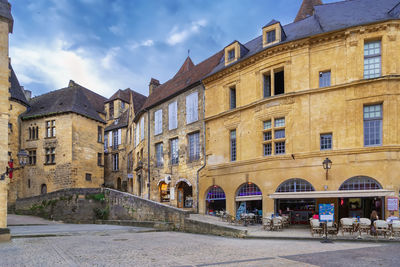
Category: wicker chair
[395,228]
[277,223]
[346,225]
[315,227]
[365,226]
[332,228]
[267,223]
[382,227]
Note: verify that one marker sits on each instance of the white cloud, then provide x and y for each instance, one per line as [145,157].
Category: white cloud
[146,43]
[53,66]
[116,29]
[178,36]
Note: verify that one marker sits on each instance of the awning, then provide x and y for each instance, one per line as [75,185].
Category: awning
[333,194]
[249,198]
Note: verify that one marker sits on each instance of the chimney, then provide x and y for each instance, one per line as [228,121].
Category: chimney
[71,83]
[28,93]
[153,84]
[307,9]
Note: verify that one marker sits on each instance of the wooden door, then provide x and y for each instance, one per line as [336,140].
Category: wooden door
[180,197]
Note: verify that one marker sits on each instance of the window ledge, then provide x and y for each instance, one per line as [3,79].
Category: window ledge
[51,137]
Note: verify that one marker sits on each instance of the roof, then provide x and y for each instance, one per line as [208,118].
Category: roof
[327,18]
[121,122]
[138,101]
[182,80]
[307,9]
[5,12]
[74,98]
[16,91]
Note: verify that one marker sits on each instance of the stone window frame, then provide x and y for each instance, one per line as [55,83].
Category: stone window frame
[232,97]
[33,132]
[271,36]
[274,136]
[159,155]
[326,141]
[192,106]
[115,162]
[99,134]
[174,151]
[233,145]
[373,122]
[88,177]
[32,158]
[158,122]
[325,78]
[99,159]
[173,115]
[194,146]
[50,128]
[50,156]
[372,58]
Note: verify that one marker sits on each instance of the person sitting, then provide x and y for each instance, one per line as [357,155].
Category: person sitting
[392,218]
[374,217]
[316,215]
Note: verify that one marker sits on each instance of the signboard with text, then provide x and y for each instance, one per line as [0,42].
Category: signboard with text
[326,212]
[392,203]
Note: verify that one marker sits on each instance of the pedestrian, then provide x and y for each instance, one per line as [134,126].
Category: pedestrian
[374,217]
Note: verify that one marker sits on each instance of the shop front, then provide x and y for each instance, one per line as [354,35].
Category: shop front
[184,193]
[248,200]
[215,200]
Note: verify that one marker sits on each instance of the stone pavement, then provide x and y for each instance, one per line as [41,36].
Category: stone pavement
[14,220]
[124,248]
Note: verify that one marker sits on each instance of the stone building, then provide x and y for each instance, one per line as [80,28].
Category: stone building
[118,158]
[6,26]
[63,134]
[324,88]
[173,141]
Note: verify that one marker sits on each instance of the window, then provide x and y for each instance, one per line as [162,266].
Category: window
[10,126]
[173,116]
[274,137]
[99,134]
[88,176]
[231,54]
[372,59]
[137,134]
[249,189]
[373,125]
[116,138]
[194,146]
[111,110]
[99,159]
[51,128]
[324,78]
[130,161]
[192,102]
[141,129]
[158,122]
[33,133]
[29,183]
[106,142]
[232,93]
[130,135]
[32,157]
[159,155]
[271,36]
[115,161]
[279,82]
[233,144]
[174,151]
[267,85]
[122,105]
[360,183]
[50,155]
[295,185]
[326,141]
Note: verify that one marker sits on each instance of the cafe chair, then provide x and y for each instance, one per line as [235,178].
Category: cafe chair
[315,227]
[382,227]
[346,225]
[395,228]
[365,226]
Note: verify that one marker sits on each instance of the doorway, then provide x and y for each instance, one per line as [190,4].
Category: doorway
[184,195]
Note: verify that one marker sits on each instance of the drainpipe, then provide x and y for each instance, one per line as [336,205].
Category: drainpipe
[204,149]
[148,154]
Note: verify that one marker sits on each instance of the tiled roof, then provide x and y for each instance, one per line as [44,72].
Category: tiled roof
[138,101]
[307,9]
[125,95]
[327,18]
[182,81]
[73,98]
[16,91]
[121,122]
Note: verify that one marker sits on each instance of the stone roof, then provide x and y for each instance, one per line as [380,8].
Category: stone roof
[121,122]
[327,18]
[182,80]
[16,91]
[307,9]
[74,98]
[124,95]
[5,12]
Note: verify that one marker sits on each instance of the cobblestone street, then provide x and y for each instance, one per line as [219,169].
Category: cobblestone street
[135,248]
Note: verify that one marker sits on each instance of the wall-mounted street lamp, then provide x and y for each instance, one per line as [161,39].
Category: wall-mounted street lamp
[22,159]
[327,164]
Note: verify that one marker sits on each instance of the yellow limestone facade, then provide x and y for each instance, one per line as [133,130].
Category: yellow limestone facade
[309,111]
[5,29]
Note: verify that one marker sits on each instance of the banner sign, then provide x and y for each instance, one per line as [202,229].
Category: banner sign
[392,203]
[326,212]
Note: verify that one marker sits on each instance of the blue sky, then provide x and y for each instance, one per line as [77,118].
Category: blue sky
[106,45]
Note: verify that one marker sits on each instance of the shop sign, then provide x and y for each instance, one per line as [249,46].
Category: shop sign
[326,212]
[392,203]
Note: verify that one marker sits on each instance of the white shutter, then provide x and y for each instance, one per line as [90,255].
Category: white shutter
[110,139]
[119,136]
[158,122]
[137,134]
[195,102]
[141,128]
[191,108]
[172,115]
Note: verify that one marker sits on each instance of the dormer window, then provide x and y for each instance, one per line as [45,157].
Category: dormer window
[231,54]
[271,36]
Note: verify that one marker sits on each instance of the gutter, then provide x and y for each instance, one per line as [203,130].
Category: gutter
[148,154]
[204,149]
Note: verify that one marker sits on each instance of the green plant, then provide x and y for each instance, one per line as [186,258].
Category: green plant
[102,214]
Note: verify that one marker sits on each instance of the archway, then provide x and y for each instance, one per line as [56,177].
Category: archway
[215,200]
[299,210]
[43,189]
[164,191]
[184,194]
[248,199]
[360,206]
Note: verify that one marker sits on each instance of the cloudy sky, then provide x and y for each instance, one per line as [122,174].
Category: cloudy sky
[107,45]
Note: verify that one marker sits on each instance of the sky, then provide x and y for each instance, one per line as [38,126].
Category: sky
[106,45]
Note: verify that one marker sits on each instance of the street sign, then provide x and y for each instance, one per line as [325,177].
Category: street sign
[326,212]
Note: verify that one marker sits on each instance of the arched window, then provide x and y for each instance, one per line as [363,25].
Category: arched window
[30,133]
[360,183]
[37,132]
[249,189]
[295,185]
[215,193]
